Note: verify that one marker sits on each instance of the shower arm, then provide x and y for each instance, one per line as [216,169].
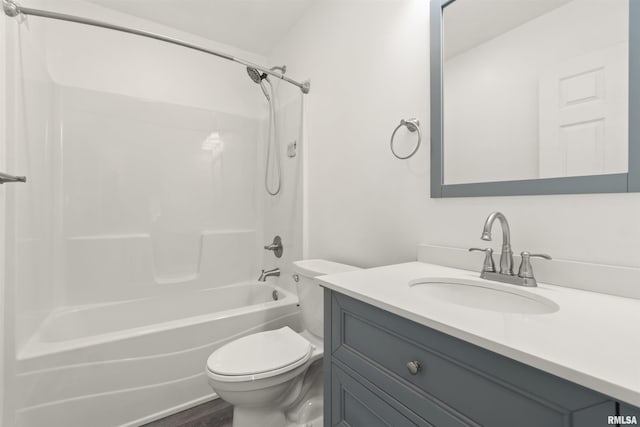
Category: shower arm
[12,9]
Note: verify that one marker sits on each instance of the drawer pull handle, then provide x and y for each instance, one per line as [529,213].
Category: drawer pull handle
[414,367]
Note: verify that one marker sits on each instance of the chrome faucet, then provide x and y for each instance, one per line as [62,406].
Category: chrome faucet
[525,275]
[268,273]
[506,256]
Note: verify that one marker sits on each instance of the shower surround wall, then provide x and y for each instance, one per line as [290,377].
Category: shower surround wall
[174,203]
[282,214]
[145,164]
[136,189]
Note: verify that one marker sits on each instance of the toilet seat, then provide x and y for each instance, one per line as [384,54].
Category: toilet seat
[257,356]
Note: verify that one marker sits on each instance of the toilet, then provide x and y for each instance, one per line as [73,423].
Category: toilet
[274,378]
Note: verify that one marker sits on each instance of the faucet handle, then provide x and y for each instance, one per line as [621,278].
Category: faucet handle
[276,247]
[526,271]
[488,266]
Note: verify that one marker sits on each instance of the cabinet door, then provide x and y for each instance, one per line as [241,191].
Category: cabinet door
[594,416]
[631,413]
[353,405]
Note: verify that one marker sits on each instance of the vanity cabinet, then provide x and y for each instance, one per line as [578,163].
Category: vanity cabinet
[630,411]
[384,370]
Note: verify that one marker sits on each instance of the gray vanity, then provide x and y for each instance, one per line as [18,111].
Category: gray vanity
[384,370]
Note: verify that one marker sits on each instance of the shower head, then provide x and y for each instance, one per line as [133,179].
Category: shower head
[255,75]
[264,89]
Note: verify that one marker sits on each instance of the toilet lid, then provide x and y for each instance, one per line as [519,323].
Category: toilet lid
[260,352]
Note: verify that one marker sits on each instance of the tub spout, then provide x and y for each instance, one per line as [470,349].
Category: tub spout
[268,273]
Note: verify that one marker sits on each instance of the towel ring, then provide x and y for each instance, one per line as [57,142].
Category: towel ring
[413,125]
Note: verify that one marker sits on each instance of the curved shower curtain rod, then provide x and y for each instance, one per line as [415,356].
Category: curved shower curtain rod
[12,9]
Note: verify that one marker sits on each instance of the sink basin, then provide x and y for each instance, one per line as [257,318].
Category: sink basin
[482,295]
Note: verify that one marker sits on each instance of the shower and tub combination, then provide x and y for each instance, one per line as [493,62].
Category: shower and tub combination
[134,247]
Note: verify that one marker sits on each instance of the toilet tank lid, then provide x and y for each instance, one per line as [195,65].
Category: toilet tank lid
[320,267]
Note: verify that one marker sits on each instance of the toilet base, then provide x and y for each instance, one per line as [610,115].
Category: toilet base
[263,417]
[309,406]
[317,422]
[252,417]
[304,411]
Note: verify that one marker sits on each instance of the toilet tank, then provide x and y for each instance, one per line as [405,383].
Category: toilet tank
[310,292]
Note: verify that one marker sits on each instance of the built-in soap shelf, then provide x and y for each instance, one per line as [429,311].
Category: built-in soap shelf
[124,264]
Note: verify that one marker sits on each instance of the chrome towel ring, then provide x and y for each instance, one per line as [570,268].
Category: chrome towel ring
[413,125]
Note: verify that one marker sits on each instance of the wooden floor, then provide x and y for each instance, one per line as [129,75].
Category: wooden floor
[216,413]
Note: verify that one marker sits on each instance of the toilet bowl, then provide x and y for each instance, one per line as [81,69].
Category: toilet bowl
[274,378]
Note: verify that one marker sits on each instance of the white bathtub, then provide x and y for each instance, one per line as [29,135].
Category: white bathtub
[127,363]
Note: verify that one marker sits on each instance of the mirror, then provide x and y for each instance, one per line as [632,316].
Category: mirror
[533,97]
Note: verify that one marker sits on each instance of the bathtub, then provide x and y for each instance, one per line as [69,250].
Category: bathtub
[128,363]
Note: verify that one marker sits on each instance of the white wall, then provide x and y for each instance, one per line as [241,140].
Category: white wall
[368,64]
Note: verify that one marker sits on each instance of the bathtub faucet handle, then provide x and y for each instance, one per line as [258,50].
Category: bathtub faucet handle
[268,273]
[276,247]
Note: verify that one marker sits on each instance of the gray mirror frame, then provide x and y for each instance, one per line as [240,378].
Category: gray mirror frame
[612,183]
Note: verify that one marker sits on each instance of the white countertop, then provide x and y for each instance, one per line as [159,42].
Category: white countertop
[592,340]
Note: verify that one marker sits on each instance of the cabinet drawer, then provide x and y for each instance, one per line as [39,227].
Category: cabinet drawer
[355,405]
[489,389]
[413,405]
